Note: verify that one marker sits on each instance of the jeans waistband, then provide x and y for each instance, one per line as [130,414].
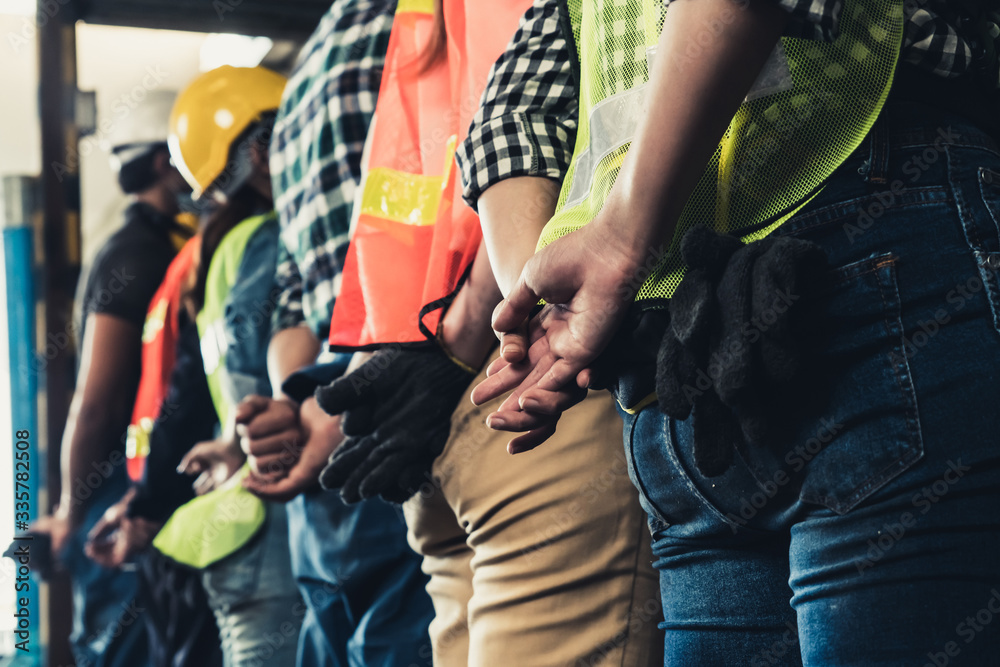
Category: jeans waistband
[908,123]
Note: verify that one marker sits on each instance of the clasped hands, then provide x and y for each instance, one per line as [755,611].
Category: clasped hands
[588,279]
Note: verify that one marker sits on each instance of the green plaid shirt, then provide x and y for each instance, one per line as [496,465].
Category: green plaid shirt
[316,151]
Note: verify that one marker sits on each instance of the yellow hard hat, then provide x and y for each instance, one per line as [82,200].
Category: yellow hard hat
[212,112]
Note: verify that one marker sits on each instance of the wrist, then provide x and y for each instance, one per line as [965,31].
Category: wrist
[466,339]
[646,215]
[291,403]
[69,510]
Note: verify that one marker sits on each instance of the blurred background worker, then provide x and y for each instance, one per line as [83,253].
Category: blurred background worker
[172,412]
[360,581]
[122,281]
[238,541]
[570,584]
[237,545]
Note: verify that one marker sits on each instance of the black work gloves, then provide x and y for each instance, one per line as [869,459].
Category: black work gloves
[732,337]
[396,413]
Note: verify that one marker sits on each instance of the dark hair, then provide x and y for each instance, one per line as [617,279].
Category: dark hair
[140,174]
[244,203]
[256,135]
[436,46]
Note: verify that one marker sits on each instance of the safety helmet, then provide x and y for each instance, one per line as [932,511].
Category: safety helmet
[143,128]
[212,113]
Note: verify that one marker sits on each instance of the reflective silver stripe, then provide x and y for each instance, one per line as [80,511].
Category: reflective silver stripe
[613,123]
[775,77]
[615,120]
[213,346]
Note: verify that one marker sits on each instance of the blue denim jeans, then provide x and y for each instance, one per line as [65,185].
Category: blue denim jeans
[255,599]
[365,597]
[108,628]
[869,532]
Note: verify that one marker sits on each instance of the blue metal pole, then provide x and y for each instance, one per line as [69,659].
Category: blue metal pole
[19,255]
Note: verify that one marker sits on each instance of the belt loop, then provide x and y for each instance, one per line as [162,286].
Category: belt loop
[878,156]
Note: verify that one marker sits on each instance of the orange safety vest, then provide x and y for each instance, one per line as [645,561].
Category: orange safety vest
[159,350]
[415,236]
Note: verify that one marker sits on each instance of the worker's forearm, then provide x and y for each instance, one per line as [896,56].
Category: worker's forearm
[513,213]
[290,350]
[93,432]
[466,326]
[692,101]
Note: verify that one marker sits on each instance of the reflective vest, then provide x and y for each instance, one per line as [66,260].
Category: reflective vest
[809,110]
[159,349]
[216,340]
[415,237]
[217,524]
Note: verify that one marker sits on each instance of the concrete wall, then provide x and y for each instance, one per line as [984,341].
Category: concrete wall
[123,66]
[20,142]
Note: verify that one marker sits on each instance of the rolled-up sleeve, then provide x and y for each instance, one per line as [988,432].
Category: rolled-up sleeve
[526,124]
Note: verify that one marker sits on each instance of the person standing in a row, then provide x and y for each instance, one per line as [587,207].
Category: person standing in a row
[783,373]
[569,584]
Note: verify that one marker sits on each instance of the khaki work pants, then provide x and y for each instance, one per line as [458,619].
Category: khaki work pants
[541,559]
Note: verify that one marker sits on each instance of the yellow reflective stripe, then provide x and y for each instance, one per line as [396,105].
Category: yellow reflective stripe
[156,319]
[409,199]
[137,439]
[641,405]
[415,6]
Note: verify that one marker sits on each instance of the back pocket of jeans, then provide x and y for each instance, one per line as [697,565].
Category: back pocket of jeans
[985,239]
[866,428]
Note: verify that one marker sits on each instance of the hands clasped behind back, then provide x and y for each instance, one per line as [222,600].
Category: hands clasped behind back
[396,413]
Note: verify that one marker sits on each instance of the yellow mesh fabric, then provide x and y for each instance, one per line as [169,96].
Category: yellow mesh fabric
[780,147]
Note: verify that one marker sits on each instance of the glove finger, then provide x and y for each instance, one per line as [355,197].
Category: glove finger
[347,392]
[393,477]
[412,480]
[691,306]
[342,463]
[359,421]
[405,465]
[672,381]
[734,360]
[350,490]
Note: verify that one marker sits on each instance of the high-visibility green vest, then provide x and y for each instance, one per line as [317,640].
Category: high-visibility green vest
[809,110]
[217,524]
[221,277]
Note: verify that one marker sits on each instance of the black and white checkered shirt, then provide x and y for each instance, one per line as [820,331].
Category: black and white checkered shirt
[526,125]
